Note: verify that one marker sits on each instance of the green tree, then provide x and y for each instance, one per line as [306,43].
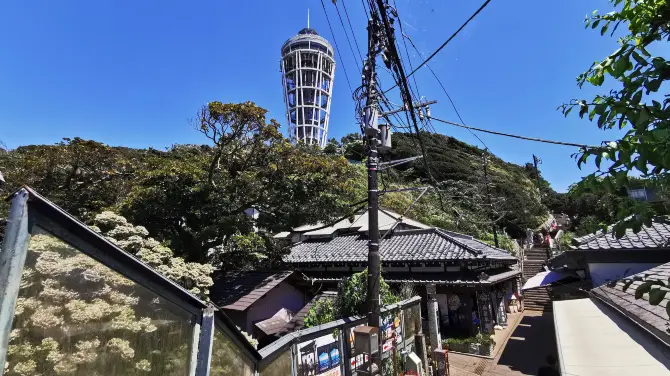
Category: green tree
[464,204]
[332,147]
[83,177]
[636,105]
[353,147]
[194,198]
[351,300]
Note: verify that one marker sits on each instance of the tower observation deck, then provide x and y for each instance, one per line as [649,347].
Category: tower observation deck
[308,69]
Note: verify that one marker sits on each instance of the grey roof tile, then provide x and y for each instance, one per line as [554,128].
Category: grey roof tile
[650,237]
[411,245]
[239,290]
[655,316]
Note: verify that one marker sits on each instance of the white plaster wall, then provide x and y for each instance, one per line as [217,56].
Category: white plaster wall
[282,296]
[602,271]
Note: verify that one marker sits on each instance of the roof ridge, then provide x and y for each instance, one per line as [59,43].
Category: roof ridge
[414,231]
[451,239]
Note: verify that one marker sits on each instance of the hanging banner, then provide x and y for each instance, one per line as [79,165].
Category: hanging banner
[391,330]
[357,361]
[319,357]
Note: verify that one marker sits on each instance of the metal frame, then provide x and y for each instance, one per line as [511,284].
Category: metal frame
[30,211]
[12,260]
[316,126]
[206,341]
[290,341]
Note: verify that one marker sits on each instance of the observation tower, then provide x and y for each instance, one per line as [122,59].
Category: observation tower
[308,69]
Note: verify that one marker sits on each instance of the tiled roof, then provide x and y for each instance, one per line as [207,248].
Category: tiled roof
[298,321]
[491,277]
[239,290]
[424,245]
[387,219]
[650,237]
[653,317]
[272,326]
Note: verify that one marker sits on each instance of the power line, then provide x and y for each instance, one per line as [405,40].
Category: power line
[447,41]
[346,34]
[513,135]
[358,48]
[409,59]
[406,94]
[367,15]
[336,47]
[444,89]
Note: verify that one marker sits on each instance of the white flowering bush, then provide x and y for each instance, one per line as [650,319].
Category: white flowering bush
[75,316]
[195,277]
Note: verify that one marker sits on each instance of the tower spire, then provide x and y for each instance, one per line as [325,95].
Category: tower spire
[308,18]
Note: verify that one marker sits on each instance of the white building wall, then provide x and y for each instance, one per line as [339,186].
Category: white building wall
[601,272]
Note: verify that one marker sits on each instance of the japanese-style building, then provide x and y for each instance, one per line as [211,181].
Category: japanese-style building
[467,280]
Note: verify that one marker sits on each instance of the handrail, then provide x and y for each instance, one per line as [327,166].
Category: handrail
[273,350]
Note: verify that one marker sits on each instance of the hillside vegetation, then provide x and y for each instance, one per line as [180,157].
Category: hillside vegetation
[193,198]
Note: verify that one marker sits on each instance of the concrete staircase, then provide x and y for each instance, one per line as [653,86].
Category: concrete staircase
[536,299]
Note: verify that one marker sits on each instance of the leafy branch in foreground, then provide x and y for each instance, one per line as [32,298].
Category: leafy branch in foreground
[654,288]
[636,106]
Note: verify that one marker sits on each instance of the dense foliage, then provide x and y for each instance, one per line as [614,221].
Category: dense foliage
[351,300]
[193,198]
[637,105]
[469,199]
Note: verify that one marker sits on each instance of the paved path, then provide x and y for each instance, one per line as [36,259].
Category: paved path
[531,340]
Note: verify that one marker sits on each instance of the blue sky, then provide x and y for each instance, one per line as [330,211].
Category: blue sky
[133,73]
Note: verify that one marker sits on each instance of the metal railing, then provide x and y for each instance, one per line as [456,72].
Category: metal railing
[72,301]
[307,347]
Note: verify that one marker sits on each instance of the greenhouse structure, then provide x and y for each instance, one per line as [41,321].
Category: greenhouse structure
[74,303]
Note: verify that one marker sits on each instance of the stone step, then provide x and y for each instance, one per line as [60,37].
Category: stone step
[538,254]
[537,301]
[536,295]
[538,309]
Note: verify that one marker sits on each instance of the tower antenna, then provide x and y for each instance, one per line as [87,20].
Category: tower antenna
[308,18]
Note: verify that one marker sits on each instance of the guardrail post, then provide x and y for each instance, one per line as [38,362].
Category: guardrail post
[12,260]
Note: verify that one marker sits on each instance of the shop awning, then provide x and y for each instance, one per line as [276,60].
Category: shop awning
[593,339]
[545,278]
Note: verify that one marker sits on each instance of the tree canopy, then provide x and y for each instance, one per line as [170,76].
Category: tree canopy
[636,104]
[193,198]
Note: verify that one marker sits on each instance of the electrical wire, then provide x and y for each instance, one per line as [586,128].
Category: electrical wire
[405,36]
[346,75]
[407,99]
[367,15]
[346,34]
[447,41]
[513,135]
[358,48]
[409,59]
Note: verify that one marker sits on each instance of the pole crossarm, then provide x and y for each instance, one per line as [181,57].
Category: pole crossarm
[405,189]
[395,224]
[404,108]
[389,164]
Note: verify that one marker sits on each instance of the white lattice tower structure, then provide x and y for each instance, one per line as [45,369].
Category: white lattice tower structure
[308,70]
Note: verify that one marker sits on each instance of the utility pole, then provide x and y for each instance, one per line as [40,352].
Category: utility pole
[536,161]
[488,196]
[376,42]
[372,132]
